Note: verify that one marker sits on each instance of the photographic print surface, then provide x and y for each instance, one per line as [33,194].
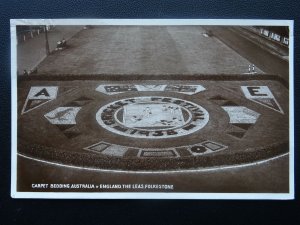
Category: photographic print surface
[152,109]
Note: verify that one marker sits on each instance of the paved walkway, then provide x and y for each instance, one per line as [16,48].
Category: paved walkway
[267,177]
[274,47]
[33,51]
[261,57]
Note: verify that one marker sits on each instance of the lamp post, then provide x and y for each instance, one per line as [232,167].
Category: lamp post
[47,43]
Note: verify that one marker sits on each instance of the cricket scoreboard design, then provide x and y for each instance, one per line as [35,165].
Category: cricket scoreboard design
[161,121]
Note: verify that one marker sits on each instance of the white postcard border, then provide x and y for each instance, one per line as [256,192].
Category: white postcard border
[146,195]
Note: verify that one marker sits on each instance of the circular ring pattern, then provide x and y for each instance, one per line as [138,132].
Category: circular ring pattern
[152,117]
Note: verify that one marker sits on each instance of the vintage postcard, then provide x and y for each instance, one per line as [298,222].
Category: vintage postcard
[152,109]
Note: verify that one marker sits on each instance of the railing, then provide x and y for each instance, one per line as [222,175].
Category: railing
[26,35]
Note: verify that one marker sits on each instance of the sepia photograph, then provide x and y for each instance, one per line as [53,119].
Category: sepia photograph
[152,109]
